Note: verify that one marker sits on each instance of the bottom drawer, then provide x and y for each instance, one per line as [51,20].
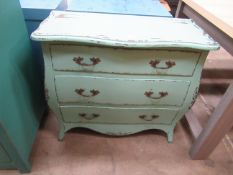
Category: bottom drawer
[116,115]
[3,155]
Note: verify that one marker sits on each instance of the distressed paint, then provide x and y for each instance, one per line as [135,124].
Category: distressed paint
[126,61]
[118,115]
[194,97]
[138,31]
[132,96]
[120,91]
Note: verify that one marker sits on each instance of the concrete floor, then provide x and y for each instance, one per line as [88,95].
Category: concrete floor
[85,152]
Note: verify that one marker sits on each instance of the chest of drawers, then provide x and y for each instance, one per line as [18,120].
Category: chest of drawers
[121,74]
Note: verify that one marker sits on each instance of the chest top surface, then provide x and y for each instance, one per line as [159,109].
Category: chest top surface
[128,31]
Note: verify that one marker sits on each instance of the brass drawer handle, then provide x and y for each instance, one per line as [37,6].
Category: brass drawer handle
[169,64]
[94,61]
[93,92]
[148,118]
[150,93]
[88,117]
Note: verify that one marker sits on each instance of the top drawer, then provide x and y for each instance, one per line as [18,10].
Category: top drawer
[123,61]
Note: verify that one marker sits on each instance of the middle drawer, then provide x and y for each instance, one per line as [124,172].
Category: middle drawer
[120,91]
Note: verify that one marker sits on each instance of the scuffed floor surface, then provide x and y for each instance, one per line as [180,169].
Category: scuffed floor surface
[87,153]
[84,152]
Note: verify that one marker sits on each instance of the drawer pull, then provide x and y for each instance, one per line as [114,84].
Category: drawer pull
[94,61]
[148,118]
[155,63]
[150,93]
[93,92]
[88,117]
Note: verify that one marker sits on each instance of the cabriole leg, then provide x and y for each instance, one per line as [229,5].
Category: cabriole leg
[61,133]
[170,136]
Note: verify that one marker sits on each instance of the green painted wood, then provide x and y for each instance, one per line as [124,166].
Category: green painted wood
[63,83]
[116,115]
[17,160]
[109,96]
[120,91]
[124,61]
[3,155]
[21,96]
[127,31]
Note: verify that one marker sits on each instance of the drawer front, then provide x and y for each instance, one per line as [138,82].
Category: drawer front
[123,61]
[120,91]
[3,155]
[90,114]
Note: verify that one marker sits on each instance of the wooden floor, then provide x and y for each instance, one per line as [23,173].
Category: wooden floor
[84,152]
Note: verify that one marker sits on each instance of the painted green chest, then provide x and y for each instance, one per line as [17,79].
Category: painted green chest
[121,74]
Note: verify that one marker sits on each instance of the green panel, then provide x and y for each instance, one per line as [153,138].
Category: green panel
[114,115]
[124,61]
[21,95]
[3,155]
[121,91]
